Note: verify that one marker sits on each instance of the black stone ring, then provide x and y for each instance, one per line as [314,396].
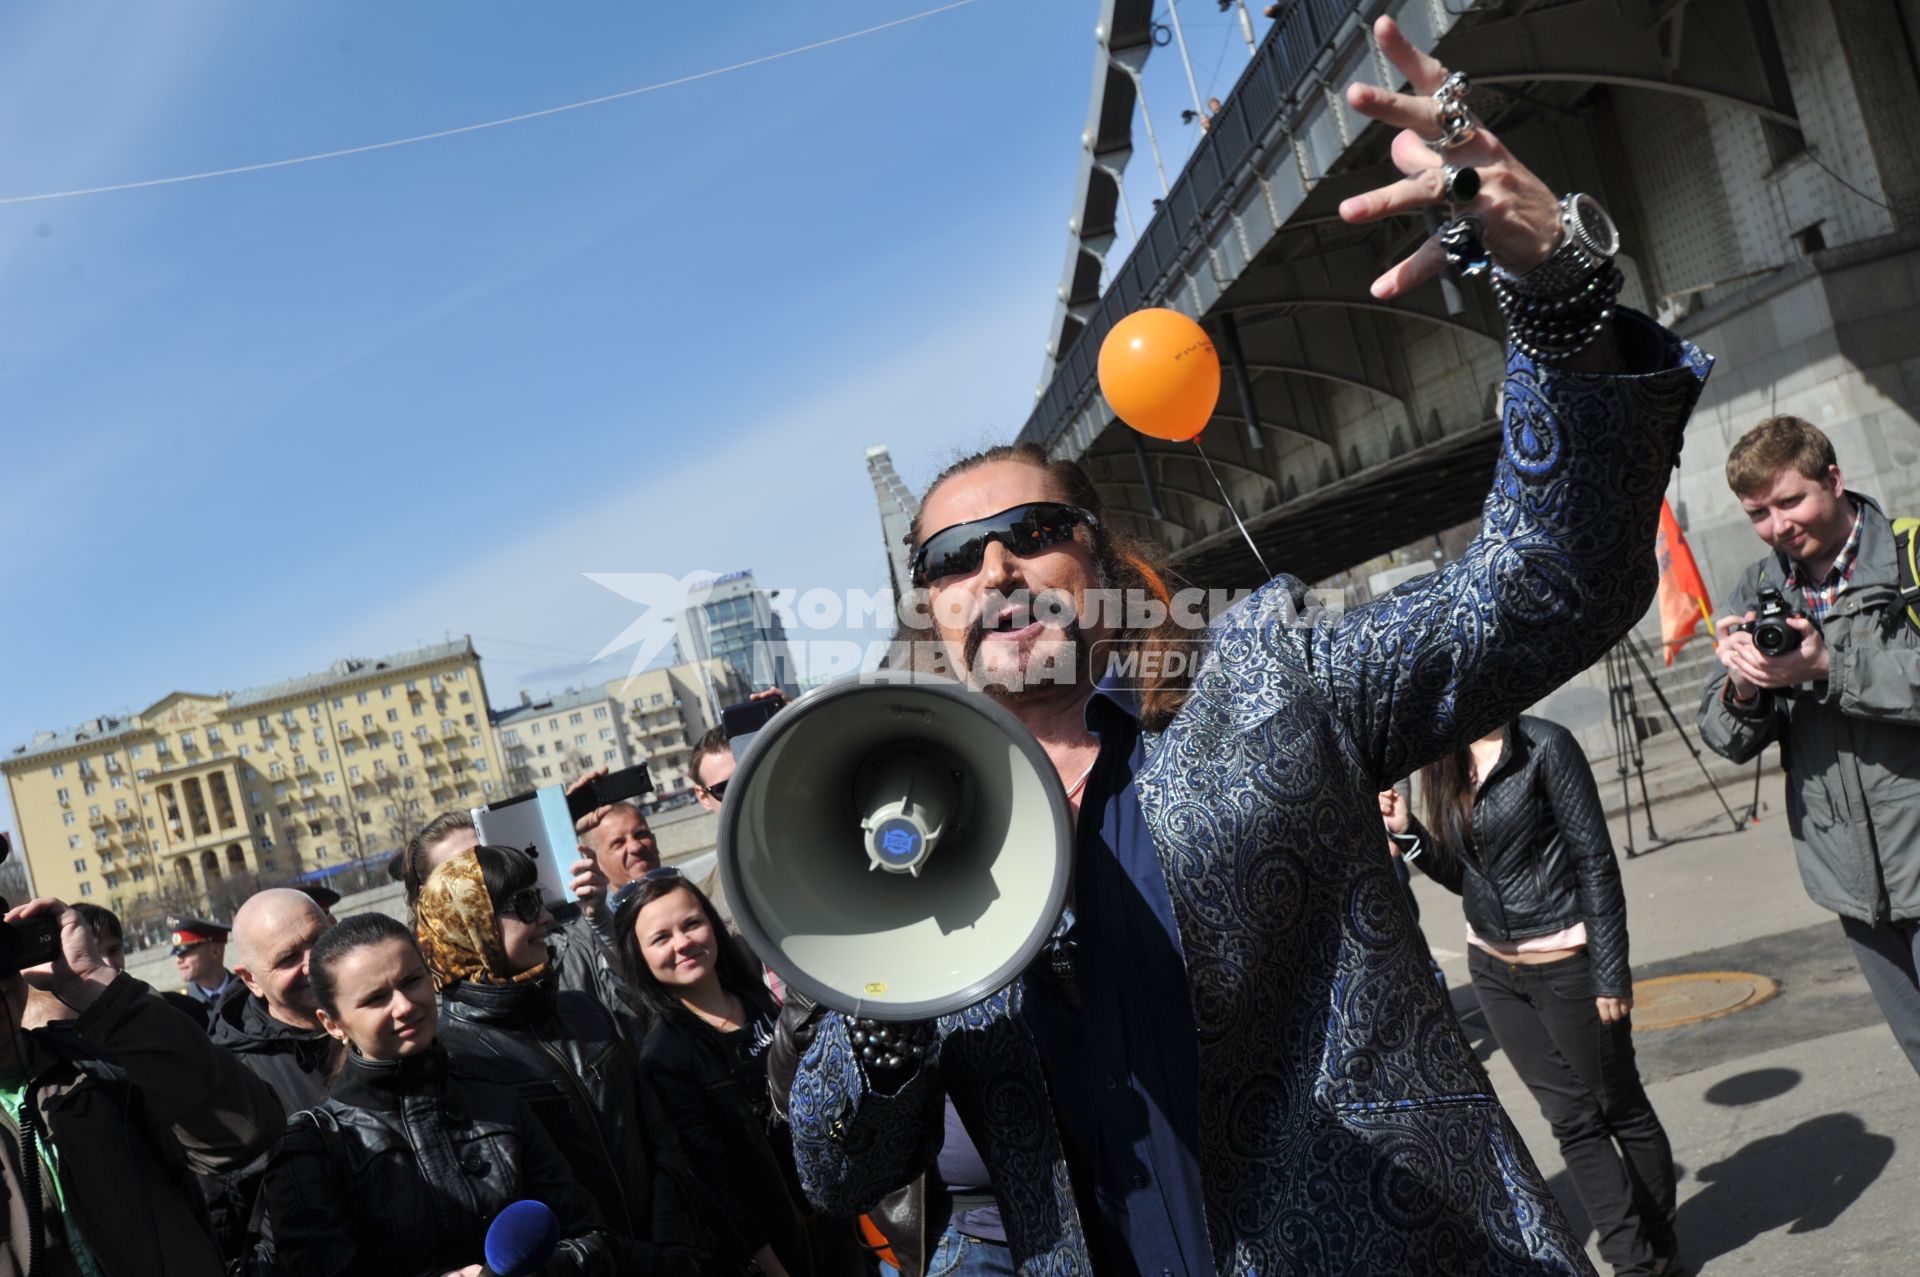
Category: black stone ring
[1462,182]
[1466,253]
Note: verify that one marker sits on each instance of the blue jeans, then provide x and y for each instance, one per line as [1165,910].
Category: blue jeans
[959,1255]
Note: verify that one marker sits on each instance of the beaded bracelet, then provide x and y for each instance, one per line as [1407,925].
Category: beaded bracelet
[891,1044]
[1555,328]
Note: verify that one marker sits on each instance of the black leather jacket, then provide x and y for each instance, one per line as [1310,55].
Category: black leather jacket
[295,1064]
[403,1168]
[1539,858]
[563,1053]
[723,1127]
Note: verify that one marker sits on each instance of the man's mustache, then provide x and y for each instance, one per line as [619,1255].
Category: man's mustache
[1054,606]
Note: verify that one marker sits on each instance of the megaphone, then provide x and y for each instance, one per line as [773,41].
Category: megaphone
[895,846]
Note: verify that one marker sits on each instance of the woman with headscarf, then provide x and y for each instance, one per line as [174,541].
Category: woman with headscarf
[409,1160]
[482,928]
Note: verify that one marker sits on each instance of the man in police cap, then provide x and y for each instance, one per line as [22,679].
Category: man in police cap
[200,956]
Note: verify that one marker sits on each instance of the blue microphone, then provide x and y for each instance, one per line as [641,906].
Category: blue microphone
[521,1239]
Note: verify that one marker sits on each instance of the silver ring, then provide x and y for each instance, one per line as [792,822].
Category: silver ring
[1460,181]
[1456,129]
[1453,90]
[1466,250]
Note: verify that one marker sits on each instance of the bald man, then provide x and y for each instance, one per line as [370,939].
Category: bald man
[267,1022]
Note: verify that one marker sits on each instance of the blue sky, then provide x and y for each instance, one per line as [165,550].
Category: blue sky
[254,424]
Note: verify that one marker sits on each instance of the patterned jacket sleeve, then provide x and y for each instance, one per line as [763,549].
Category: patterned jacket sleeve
[853,1142]
[1563,565]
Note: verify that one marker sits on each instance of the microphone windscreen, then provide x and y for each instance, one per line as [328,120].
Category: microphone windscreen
[521,1239]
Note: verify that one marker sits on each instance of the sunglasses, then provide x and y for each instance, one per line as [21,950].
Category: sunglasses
[665,873]
[716,791]
[1024,531]
[525,905]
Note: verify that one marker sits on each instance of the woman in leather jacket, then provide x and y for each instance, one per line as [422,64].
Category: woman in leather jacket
[1515,828]
[706,1055]
[410,1158]
[482,928]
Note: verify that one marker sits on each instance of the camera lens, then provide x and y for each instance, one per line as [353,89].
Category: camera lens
[1773,638]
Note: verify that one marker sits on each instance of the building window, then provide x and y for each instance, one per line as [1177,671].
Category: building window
[574,720]
[606,733]
[480,765]
[466,698]
[59,769]
[160,747]
[393,716]
[213,738]
[253,797]
[93,812]
[328,778]
[120,806]
[546,773]
[360,699]
[246,751]
[80,865]
[613,755]
[67,818]
[73,842]
[353,773]
[275,770]
[62,795]
[117,783]
[508,737]
[581,739]
[86,888]
[90,787]
[366,721]
[386,693]
[536,729]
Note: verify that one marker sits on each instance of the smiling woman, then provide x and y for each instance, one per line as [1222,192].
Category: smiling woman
[374,1179]
[707,1056]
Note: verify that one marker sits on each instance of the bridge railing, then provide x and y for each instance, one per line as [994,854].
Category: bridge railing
[1265,97]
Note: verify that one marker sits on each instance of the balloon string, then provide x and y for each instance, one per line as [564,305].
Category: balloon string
[1257,556]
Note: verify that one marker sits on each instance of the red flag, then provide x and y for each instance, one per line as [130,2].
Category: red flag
[1683,595]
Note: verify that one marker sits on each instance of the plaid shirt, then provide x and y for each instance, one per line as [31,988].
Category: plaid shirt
[1821,598]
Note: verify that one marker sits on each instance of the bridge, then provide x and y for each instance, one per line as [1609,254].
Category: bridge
[1758,160]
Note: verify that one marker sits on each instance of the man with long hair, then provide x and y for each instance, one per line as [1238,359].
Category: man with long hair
[1234,1058]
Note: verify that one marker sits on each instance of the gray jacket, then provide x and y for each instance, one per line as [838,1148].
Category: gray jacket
[1851,744]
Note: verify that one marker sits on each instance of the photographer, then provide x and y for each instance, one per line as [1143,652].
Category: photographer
[109,1116]
[1822,655]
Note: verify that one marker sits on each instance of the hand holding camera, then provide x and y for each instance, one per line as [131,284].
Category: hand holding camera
[58,953]
[1772,646]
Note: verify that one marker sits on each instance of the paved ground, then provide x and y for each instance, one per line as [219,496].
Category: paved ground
[1796,1124]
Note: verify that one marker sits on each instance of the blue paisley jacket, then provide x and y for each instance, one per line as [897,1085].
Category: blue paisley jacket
[1345,1125]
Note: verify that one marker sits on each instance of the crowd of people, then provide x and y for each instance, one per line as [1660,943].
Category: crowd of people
[1233,1057]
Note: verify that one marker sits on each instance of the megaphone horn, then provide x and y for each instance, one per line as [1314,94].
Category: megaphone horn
[895,846]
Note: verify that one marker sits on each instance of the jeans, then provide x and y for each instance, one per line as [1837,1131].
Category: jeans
[1582,1075]
[1888,955]
[959,1255]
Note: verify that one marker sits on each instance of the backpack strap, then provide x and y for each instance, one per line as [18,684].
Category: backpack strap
[1906,554]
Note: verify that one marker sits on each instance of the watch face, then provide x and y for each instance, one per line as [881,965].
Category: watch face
[1595,229]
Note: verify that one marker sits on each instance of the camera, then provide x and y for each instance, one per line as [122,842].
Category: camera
[29,942]
[1771,633]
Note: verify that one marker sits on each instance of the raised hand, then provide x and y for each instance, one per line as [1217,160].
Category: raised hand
[1520,214]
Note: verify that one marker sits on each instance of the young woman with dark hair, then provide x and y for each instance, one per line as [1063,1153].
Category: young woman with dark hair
[409,1160]
[1514,826]
[707,1056]
[482,929]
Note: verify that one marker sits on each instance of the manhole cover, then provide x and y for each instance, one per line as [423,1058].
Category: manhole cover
[1672,1000]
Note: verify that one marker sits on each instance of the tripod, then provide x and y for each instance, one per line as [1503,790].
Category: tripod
[1630,730]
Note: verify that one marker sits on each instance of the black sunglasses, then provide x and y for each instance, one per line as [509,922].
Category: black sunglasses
[525,905]
[1025,530]
[627,891]
[717,790]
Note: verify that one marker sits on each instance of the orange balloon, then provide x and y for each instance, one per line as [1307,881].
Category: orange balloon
[1160,374]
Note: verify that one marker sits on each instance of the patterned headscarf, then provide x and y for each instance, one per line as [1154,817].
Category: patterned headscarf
[459,932]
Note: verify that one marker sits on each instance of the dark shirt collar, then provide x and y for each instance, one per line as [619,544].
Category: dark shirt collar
[1113,703]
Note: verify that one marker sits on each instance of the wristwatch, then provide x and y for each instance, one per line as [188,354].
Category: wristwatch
[1588,241]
